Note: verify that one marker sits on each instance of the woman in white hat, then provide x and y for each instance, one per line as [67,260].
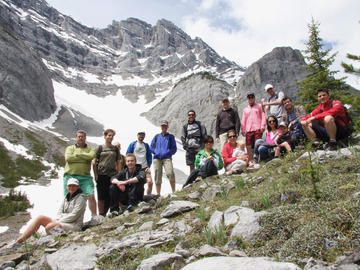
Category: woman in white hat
[70,215]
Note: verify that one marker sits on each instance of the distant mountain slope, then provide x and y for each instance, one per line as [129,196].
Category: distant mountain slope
[135,56]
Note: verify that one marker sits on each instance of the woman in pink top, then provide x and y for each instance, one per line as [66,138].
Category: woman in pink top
[263,147]
[232,164]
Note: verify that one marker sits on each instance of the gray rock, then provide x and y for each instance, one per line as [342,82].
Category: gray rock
[73,257]
[194,195]
[143,208]
[243,263]
[210,193]
[162,221]
[178,207]
[136,240]
[247,225]
[159,261]
[147,226]
[207,250]
[345,152]
[46,241]
[216,221]
[181,227]
[120,229]
[6,264]
[237,253]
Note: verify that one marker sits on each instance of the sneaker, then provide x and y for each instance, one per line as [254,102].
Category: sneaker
[113,214]
[315,144]
[198,179]
[331,146]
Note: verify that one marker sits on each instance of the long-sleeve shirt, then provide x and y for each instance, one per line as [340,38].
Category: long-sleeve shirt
[227,120]
[202,155]
[227,154]
[336,110]
[78,160]
[253,118]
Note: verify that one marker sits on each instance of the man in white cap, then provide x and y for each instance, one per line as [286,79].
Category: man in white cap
[273,106]
[163,146]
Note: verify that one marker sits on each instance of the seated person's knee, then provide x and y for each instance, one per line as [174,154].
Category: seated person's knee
[329,119]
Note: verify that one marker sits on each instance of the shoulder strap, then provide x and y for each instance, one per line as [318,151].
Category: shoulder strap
[156,138]
[276,97]
[99,152]
[170,140]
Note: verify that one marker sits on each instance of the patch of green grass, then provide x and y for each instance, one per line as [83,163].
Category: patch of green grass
[13,202]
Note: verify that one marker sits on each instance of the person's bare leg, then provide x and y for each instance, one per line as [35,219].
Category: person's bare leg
[92,204]
[309,132]
[158,189]
[33,227]
[249,151]
[149,185]
[277,151]
[172,184]
[52,225]
[287,146]
[101,206]
[330,126]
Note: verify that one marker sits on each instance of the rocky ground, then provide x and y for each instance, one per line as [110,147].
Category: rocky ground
[298,212]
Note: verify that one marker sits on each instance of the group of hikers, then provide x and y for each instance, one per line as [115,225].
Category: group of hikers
[270,128]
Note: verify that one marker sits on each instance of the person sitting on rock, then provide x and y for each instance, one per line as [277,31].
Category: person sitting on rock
[70,215]
[127,187]
[240,150]
[232,164]
[333,115]
[264,149]
[292,115]
[207,162]
[284,141]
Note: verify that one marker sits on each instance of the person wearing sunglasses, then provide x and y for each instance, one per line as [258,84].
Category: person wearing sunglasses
[233,164]
[264,149]
[208,161]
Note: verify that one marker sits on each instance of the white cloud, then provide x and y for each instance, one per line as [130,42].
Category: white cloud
[259,26]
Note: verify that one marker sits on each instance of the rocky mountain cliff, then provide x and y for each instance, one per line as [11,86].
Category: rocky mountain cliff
[201,92]
[25,82]
[131,53]
[282,68]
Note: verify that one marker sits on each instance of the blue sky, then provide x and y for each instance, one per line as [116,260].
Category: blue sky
[241,30]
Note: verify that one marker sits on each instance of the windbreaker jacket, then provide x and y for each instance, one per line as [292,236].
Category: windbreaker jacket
[72,211]
[337,111]
[131,149]
[202,155]
[162,148]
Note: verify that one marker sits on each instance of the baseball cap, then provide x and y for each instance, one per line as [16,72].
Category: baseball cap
[268,86]
[72,181]
[249,93]
[164,123]
[283,123]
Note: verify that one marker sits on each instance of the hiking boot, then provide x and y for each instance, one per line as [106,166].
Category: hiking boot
[315,144]
[331,146]
[130,208]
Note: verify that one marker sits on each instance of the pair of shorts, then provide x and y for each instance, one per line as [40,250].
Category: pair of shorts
[190,156]
[85,182]
[158,169]
[322,135]
[252,136]
[103,185]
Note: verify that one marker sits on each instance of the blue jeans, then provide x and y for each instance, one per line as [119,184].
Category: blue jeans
[261,151]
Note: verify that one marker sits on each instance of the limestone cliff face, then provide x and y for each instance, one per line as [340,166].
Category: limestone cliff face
[25,82]
[199,92]
[282,68]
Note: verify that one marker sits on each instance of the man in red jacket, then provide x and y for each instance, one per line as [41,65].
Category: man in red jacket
[332,114]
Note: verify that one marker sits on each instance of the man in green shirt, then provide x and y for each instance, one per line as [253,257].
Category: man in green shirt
[78,159]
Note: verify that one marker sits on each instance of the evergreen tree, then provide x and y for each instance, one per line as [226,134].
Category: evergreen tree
[349,67]
[320,76]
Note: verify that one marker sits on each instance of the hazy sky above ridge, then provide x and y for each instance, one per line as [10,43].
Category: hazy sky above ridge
[241,30]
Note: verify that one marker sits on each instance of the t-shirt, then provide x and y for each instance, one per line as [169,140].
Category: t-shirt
[107,160]
[277,110]
[140,154]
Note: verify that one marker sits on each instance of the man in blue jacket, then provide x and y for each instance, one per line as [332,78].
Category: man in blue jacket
[163,146]
[143,155]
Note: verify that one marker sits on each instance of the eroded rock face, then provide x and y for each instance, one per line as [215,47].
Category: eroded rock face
[25,83]
[282,67]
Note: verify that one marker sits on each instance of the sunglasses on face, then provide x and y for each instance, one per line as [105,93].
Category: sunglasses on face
[209,142]
[250,97]
[191,114]
[233,136]
[271,121]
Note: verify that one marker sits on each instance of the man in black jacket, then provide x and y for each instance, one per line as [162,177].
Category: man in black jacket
[226,119]
[192,138]
[127,186]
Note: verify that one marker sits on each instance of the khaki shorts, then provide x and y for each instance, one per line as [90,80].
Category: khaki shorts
[169,170]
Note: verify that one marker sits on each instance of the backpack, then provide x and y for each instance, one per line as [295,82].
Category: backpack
[170,140]
[276,97]
[198,123]
[100,149]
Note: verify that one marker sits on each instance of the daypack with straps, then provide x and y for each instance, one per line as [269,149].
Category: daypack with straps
[198,123]
[100,149]
[276,97]
[170,140]
[349,124]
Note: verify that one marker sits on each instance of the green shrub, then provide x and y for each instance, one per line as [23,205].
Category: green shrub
[14,202]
